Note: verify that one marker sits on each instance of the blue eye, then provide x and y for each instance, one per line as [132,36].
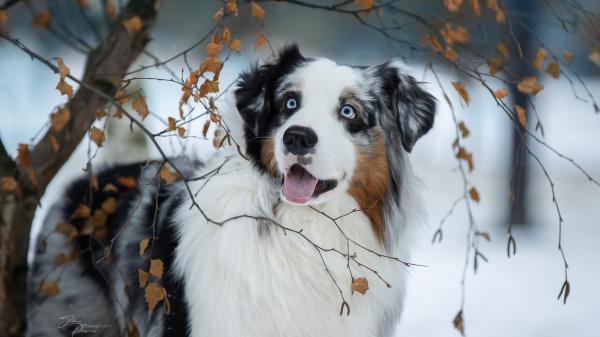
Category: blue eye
[348,112]
[291,104]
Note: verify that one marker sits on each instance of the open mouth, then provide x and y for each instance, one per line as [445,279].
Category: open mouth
[299,186]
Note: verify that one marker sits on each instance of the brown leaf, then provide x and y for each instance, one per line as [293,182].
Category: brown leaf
[3,16]
[54,143]
[459,323]
[63,259]
[484,235]
[59,119]
[94,182]
[464,131]
[110,188]
[594,56]
[8,184]
[226,34]
[501,93]
[474,194]
[143,246]
[521,115]
[209,87]
[431,41]
[140,106]
[133,24]
[153,294]
[97,136]
[257,11]
[128,182]
[109,205]
[67,229]
[454,34]
[450,54]
[540,57]
[49,289]
[181,131]
[530,85]
[453,5]
[110,9]
[143,278]
[65,88]
[235,45]
[81,212]
[41,20]
[213,49]
[365,4]
[553,69]
[494,66]
[167,176]
[568,56]
[360,285]
[261,40]
[502,49]
[475,7]
[121,97]
[101,114]
[462,91]
[466,156]
[156,268]
[218,14]
[172,123]
[63,70]
[232,7]
[205,128]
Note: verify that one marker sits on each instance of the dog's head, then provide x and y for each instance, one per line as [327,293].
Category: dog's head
[328,129]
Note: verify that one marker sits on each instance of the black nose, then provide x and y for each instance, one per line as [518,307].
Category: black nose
[299,140]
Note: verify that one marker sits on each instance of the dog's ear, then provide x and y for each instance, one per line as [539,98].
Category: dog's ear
[257,85]
[413,109]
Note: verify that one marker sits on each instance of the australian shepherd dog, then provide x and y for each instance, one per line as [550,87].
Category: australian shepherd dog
[299,226]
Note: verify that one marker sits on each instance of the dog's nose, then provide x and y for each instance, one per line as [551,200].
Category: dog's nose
[299,140]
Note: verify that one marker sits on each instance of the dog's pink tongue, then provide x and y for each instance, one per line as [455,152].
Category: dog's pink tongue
[298,185]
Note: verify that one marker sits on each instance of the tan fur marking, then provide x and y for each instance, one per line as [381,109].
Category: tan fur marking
[267,155]
[370,184]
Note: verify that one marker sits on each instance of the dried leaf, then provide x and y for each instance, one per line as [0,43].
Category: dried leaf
[360,285]
[553,69]
[232,7]
[257,11]
[213,49]
[172,123]
[595,57]
[540,57]
[502,49]
[41,20]
[568,56]
[110,9]
[453,33]
[218,14]
[464,131]
[501,93]
[128,182]
[466,156]
[450,54]
[140,106]
[459,323]
[121,97]
[431,41]
[133,24]
[8,184]
[474,194]
[54,143]
[67,229]
[530,86]
[3,16]
[63,259]
[110,188]
[205,128]
[101,114]
[143,278]
[153,295]
[97,136]
[494,66]
[109,205]
[226,34]
[261,40]
[475,7]
[59,119]
[49,289]
[484,235]
[462,91]
[81,212]
[453,5]
[235,45]
[181,131]
[156,268]
[63,70]
[143,245]
[167,176]
[521,115]
[94,182]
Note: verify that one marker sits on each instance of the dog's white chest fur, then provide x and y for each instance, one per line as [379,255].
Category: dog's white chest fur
[252,278]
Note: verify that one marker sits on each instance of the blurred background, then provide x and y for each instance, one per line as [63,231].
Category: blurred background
[514,296]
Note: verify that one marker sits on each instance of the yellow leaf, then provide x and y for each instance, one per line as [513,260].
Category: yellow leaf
[260,41]
[143,278]
[143,246]
[502,49]
[49,289]
[41,20]
[172,123]
[97,136]
[530,86]
[128,182]
[8,184]
[521,115]
[65,88]
[140,106]
[474,194]
[553,69]
[568,56]
[235,45]
[257,11]
[156,268]
[153,295]
[462,91]
[232,7]
[360,285]
[464,131]
[453,5]
[501,93]
[475,7]
[110,9]
[540,57]
[494,66]
[595,55]
[133,24]
[59,119]
[167,176]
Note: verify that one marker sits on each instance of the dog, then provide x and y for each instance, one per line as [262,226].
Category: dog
[299,226]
